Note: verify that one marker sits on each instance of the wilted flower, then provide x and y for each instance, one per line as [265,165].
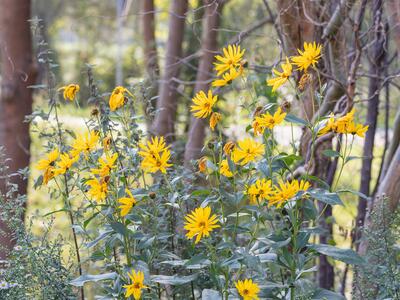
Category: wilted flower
[215,118]
[126,203]
[224,168]
[70,91]
[117,98]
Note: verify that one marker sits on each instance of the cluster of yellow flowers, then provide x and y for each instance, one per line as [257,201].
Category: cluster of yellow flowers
[155,155]
[55,163]
[344,125]
[307,57]
[267,120]
[230,67]
[278,194]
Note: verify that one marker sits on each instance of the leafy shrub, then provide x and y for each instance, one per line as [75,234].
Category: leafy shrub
[239,226]
[35,268]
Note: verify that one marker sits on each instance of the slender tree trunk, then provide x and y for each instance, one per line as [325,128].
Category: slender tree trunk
[150,57]
[204,74]
[164,123]
[119,58]
[18,72]
[377,60]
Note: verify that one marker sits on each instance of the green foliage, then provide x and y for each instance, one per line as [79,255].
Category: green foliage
[35,268]
[379,278]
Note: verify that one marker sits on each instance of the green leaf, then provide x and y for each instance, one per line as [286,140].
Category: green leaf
[99,238]
[119,228]
[81,280]
[55,211]
[296,120]
[363,196]
[87,221]
[201,193]
[330,153]
[173,280]
[325,196]
[345,255]
[207,294]
[322,294]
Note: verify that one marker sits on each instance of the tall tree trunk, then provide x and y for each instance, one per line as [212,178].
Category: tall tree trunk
[119,58]
[18,72]
[377,60]
[164,123]
[204,74]
[150,57]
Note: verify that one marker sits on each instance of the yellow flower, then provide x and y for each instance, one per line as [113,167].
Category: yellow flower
[285,191]
[154,146]
[230,60]
[215,118]
[47,165]
[65,163]
[70,91]
[98,189]
[248,289]
[228,147]
[309,56]
[202,164]
[155,155]
[126,203]
[282,76]
[259,191]
[268,121]
[340,125]
[224,168]
[157,162]
[203,104]
[199,223]
[85,143]
[136,286]
[329,126]
[228,77]
[247,150]
[117,98]
[344,125]
[357,129]
[106,165]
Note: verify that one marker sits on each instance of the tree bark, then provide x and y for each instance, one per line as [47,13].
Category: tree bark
[150,57]
[204,74]
[164,123]
[377,60]
[18,72]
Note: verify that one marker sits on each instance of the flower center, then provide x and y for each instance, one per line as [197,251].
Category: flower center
[136,285]
[246,292]
[202,224]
